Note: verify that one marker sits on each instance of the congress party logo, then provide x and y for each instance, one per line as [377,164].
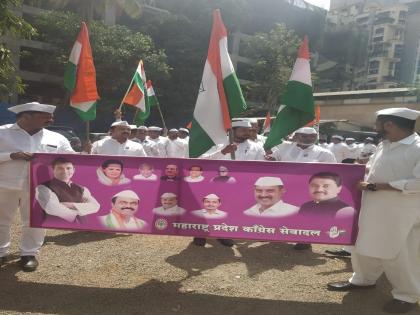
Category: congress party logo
[161,224]
[334,232]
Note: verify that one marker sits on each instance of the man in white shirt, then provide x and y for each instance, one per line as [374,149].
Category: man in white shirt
[118,143]
[253,134]
[149,146]
[302,149]
[211,204]
[18,143]
[245,149]
[338,148]
[389,224]
[146,173]
[368,147]
[354,151]
[169,206]
[125,205]
[268,193]
[161,142]
[175,147]
[184,134]
[61,198]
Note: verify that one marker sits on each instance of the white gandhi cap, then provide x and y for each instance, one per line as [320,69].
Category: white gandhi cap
[142,128]
[241,123]
[212,196]
[184,130]
[269,181]
[33,106]
[307,131]
[253,120]
[132,127]
[403,112]
[173,130]
[120,123]
[127,194]
[168,195]
[337,137]
[154,128]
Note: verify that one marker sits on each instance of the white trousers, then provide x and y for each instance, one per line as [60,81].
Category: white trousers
[32,238]
[403,272]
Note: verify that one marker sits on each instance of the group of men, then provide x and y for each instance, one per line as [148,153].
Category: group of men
[389,225]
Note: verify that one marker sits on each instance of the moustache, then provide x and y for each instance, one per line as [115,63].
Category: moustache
[319,192]
[128,208]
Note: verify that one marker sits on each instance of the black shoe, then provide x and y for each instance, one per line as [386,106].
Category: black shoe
[226,242]
[301,246]
[3,260]
[28,263]
[398,307]
[198,241]
[338,252]
[347,286]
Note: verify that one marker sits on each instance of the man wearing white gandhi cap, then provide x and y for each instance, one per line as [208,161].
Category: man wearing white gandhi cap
[18,143]
[268,193]
[119,142]
[389,224]
[303,148]
[169,206]
[211,204]
[124,206]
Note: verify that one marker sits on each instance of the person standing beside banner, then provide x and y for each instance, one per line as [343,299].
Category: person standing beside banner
[160,141]
[118,143]
[18,143]
[149,147]
[389,223]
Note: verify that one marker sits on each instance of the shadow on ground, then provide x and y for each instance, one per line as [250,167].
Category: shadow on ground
[80,237]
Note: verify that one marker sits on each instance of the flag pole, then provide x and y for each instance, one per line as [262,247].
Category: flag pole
[161,116]
[128,90]
[87,130]
[135,114]
[232,154]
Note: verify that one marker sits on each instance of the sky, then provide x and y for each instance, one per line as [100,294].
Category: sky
[320,3]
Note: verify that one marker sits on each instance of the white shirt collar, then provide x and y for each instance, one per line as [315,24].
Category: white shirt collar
[410,139]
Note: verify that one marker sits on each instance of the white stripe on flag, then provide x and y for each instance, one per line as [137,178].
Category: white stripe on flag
[75,53]
[225,62]
[84,106]
[302,72]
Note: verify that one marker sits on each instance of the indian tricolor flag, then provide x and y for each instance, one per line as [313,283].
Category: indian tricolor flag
[151,100]
[297,107]
[267,123]
[80,77]
[137,94]
[220,96]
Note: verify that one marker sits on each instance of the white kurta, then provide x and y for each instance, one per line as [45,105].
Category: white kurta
[110,221]
[389,222]
[176,148]
[279,209]
[14,184]
[246,151]
[149,147]
[161,145]
[354,151]
[175,210]
[340,150]
[141,177]
[190,179]
[50,203]
[110,146]
[291,152]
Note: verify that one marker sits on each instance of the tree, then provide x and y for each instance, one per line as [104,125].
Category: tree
[273,55]
[116,51]
[11,26]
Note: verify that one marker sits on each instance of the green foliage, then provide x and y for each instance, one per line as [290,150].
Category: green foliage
[14,26]
[116,52]
[273,55]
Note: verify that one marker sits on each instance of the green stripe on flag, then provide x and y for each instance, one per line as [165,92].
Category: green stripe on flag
[88,115]
[70,76]
[199,142]
[234,95]
[299,110]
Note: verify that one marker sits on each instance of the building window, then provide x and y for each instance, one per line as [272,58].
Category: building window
[398,51]
[379,30]
[374,67]
[378,39]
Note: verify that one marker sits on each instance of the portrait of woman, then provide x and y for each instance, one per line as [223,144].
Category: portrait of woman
[110,173]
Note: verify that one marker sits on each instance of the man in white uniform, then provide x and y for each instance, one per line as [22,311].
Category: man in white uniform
[196,174]
[338,148]
[245,149]
[18,143]
[61,198]
[354,151]
[175,147]
[389,222]
[303,148]
[149,146]
[184,134]
[254,136]
[268,193]
[368,147]
[169,206]
[154,136]
[118,143]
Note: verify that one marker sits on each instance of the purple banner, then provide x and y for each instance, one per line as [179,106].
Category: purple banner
[272,201]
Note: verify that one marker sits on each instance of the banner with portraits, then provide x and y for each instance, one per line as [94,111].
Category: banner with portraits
[256,200]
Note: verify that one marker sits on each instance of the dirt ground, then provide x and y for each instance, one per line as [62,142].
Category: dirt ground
[95,273]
